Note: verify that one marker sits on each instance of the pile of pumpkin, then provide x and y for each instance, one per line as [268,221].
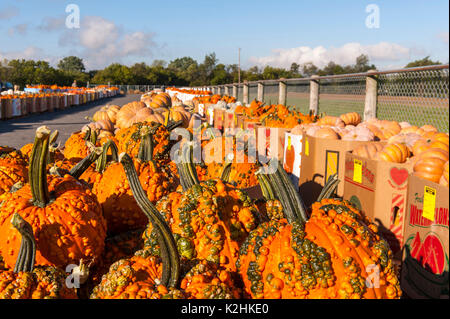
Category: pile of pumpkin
[424,147]
[213,99]
[139,225]
[274,115]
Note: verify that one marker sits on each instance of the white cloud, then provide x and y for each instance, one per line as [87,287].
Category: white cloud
[345,55]
[8,12]
[443,36]
[101,42]
[97,32]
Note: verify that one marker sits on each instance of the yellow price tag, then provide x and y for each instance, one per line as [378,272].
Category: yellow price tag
[429,203]
[289,143]
[306,147]
[357,171]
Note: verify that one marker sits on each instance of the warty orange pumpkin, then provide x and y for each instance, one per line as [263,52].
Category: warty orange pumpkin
[325,256]
[27,281]
[66,217]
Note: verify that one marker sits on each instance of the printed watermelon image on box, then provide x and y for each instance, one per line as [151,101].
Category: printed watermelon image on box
[425,267]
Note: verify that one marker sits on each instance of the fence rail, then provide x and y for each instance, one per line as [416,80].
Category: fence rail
[416,95]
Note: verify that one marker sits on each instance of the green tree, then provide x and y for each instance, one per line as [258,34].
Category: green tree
[423,62]
[115,74]
[309,69]
[71,64]
[295,68]
[219,75]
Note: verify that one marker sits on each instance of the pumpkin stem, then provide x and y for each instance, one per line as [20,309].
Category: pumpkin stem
[53,147]
[27,252]
[103,159]
[146,146]
[90,135]
[277,185]
[186,167]
[173,125]
[329,188]
[37,170]
[166,241]
[84,164]
[226,171]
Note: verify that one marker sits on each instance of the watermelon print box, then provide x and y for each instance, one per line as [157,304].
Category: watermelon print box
[380,190]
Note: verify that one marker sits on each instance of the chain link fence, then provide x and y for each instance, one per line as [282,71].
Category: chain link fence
[342,95]
[419,97]
[415,95]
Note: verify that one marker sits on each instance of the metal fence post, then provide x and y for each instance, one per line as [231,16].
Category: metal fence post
[282,92]
[314,94]
[370,104]
[235,91]
[245,94]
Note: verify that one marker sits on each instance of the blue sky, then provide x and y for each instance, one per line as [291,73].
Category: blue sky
[269,32]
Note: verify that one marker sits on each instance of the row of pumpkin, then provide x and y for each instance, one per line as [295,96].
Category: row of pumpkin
[16,105]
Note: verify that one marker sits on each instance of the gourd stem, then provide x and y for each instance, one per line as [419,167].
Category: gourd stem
[103,158]
[27,253]
[84,164]
[37,169]
[280,187]
[329,188]
[265,188]
[293,193]
[225,175]
[167,243]
[186,167]
[173,125]
[146,146]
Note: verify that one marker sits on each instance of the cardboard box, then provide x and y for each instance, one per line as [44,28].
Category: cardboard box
[425,266]
[380,190]
[270,141]
[229,120]
[16,107]
[219,117]
[293,147]
[322,158]
[2,109]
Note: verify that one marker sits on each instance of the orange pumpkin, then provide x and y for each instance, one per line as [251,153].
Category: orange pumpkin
[351,118]
[431,140]
[65,216]
[136,112]
[331,121]
[430,168]
[323,257]
[369,150]
[396,153]
[327,132]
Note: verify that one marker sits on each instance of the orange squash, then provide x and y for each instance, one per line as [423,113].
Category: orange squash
[351,118]
[431,140]
[327,132]
[396,153]
[369,150]
[430,168]
[331,121]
